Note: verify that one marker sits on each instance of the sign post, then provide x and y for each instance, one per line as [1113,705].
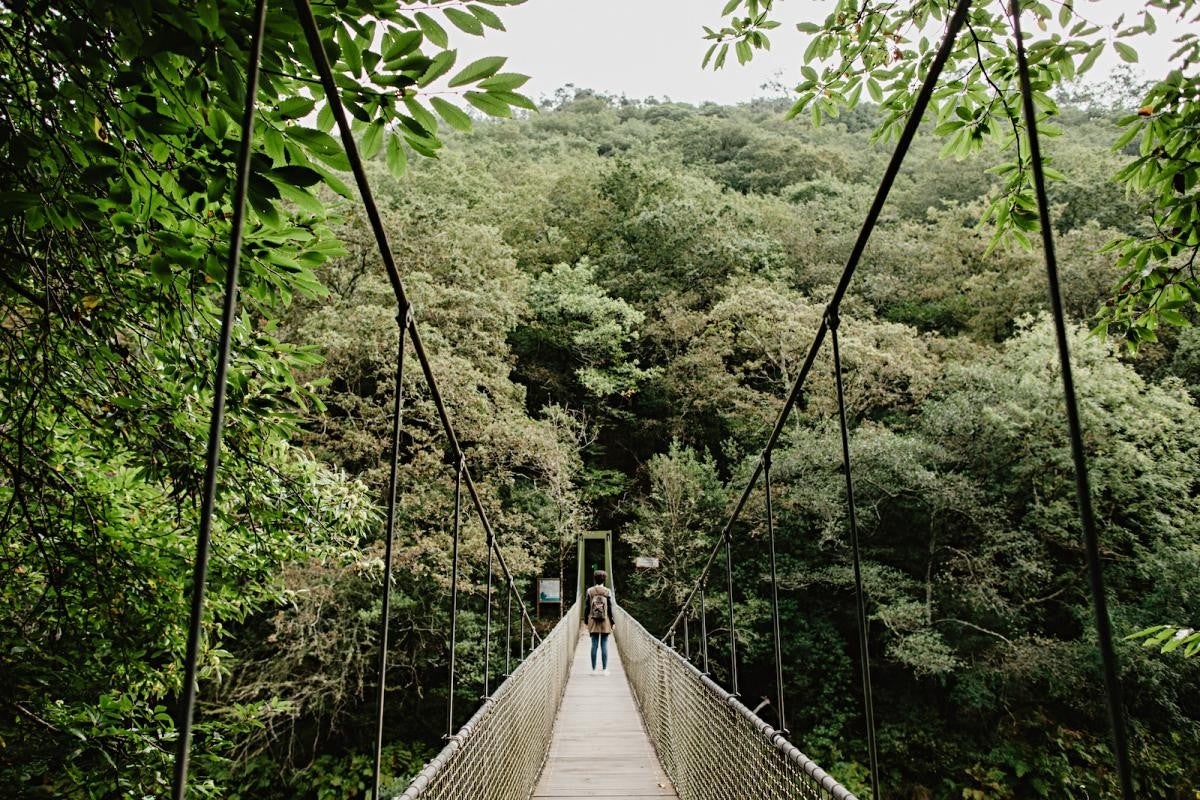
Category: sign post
[549,593]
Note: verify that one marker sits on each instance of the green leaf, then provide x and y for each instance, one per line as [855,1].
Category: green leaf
[272,141]
[334,182]
[1090,59]
[295,107]
[206,11]
[487,17]
[1146,632]
[350,51]
[455,117]
[161,124]
[397,161]
[442,64]
[421,115]
[13,203]
[504,81]
[121,219]
[325,118]
[433,31]
[744,54]
[372,140]
[401,44]
[514,99]
[1127,53]
[730,7]
[319,144]
[467,23]
[301,198]
[488,104]
[1173,317]
[295,175]
[478,70]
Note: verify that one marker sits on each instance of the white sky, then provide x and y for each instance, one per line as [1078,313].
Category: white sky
[653,48]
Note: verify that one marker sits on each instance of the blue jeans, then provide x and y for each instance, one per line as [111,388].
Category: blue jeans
[600,639]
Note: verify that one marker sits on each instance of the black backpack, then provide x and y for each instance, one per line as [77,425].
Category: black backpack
[598,605]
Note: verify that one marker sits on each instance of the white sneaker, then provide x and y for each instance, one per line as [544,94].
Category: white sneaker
[605,672]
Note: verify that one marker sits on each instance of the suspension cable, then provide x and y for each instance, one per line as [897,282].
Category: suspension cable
[779,704]
[390,534]
[703,632]
[458,471]
[831,318]
[733,671]
[508,632]
[216,427]
[1083,492]
[687,642]
[902,145]
[487,648]
[321,61]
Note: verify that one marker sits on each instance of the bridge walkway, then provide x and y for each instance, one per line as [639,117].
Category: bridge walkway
[598,714]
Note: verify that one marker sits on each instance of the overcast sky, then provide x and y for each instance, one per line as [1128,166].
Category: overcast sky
[653,48]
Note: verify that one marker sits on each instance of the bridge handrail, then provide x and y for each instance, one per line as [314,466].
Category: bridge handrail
[499,752]
[667,686]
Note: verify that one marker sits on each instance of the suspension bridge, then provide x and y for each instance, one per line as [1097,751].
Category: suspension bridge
[663,727]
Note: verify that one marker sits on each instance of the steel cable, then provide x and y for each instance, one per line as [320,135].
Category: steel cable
[909,132]
[733,670]
[332,95]
[454,595]
[487,637]
[860,601]
[1083,492]
[212,462]
[779,702]
[390,534]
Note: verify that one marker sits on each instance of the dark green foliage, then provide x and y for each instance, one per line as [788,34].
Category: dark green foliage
[118,128]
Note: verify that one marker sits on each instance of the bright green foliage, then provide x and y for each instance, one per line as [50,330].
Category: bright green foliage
[1159,285]
[578,330]
[885,49]
[1169,638]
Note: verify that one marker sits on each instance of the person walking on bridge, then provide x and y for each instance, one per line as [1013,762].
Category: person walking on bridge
[600,619]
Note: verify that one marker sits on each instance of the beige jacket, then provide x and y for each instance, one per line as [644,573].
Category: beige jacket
[604,625]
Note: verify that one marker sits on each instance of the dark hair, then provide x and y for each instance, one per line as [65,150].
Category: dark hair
[598,576]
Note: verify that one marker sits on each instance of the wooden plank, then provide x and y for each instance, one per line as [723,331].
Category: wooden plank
[599,716]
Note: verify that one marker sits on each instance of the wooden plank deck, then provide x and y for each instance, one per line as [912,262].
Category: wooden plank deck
[598,712]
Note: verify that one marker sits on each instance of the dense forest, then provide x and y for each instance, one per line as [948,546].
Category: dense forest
[616,295]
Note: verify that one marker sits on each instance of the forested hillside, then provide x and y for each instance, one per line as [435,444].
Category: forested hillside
[677,261]
[616,296]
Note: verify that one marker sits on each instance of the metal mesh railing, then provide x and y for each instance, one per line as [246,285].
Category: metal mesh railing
[711,746]
[498,754]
